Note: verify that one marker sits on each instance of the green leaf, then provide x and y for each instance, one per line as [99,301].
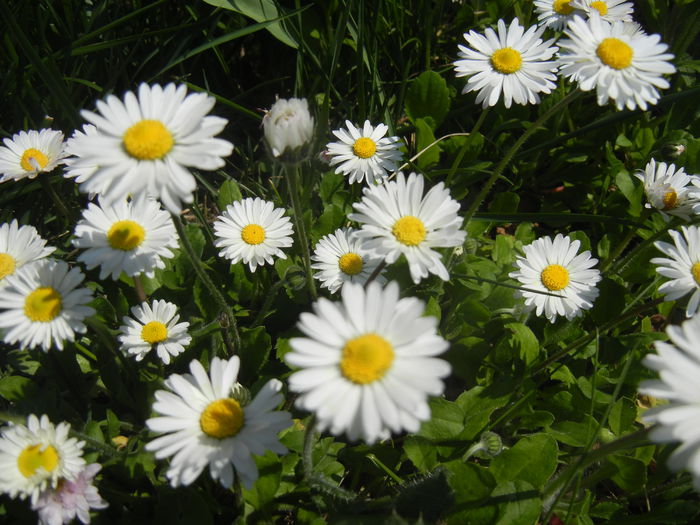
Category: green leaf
[532,459]
[254,352]
[478,404]
[519,503]
[16,388]
[424,138]
[228,192]
[631,473]
[428,96]
[622,416]
[265,488]
[632,192]
[523,341]
[577,434]
[421,452]
[446,421]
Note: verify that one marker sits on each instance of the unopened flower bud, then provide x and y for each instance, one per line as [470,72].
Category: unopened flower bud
[673,151]
[288,127]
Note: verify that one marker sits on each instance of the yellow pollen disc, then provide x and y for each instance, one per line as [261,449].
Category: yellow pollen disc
[7,265]
[33,458]
[148,140]
[222,418]
[563,7]
[695,270]
[615,53]
[126,235]
[350,263]
[253,234]
[33,160]
[364,148]
[555,277]
[670,199]
[601,7]
[154,332]
[409,230]
[506,60]
[43,304]
[366,358]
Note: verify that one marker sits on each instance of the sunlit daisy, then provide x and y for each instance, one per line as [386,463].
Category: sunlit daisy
[253,231]
[668,189]
[29,153]
[156,327]
[19,245]
[129,236]
[608,10]
[78,168]
[41,305]
[681,266]
[555,13]
[621,64]
[367,364]
[147,144]
[365,153]
[37,456]
[566,280]
[206,423]
[513,61]
[397,219]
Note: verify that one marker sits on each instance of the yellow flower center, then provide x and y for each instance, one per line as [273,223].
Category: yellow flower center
[33,160]
[364,147]
[601,7]
[148,140]
[506,60]
[43,304]
[554,277]
[253,234]
[126,235]
[7,265]
[615,53]
[563,7]
[154,332]
[695,270]
[350,263]
[366,358]
[222,418]
[33,458]
[670,199]
[409,230]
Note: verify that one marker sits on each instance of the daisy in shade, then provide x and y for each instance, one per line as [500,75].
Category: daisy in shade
[619,63]
[156,327]
[397,219]
[681,266]
[608,10]
[129,236]
[365,153]
[205,423]
[512,62]
[253,231]
[667,189]
[555,13]
[367,364]
[19,245]
[41,305]
[29,153]
[565,281]
[146,144]
[35,457]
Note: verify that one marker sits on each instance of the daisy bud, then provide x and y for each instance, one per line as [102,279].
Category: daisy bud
[673,151]
[288,126]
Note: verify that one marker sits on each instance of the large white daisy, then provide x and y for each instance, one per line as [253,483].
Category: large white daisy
[621,64]
[19,245]
[253,231]
[513,62]
[29,153]
[667,189]
[608,10]
[555,13]
[146,144]
[206,423]
[565,281]
[367,364]
[681,266]
[397,219]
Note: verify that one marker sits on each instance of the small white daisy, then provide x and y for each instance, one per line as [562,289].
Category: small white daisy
[156,326]
[129,236]
[205,423]
[608,10]
[146,144]
[513,62]
[554,268]
[621,64]
[288,125]
[397,219]
[340,258]
[37,456]
[29,153]
[368,363]
[19,246]
[253,231]
[365,153]
[555,13]
[667,189]
[682,266]
[41,305]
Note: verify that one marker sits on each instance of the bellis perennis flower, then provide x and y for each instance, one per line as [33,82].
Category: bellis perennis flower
[19,245]
[29,153]
[682,266]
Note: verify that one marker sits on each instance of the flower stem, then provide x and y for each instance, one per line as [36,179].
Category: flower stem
[293,187]
[139,289]
[60,205]
[618,249]
[307,457]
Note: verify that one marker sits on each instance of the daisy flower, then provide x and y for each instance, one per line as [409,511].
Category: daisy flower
[253,231]
[205,423]
[340,258]
[156,327]
[146,144]
[78,168]
[566,281]
[37,456]
[682,266]
[555,13]
[41,305]
[514,62]
[667,189]
[608,10]
[397,219]
[621,64]
[367,363]
[30,153]
[365,153]
[288,125]
[128,236]
[19,245]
